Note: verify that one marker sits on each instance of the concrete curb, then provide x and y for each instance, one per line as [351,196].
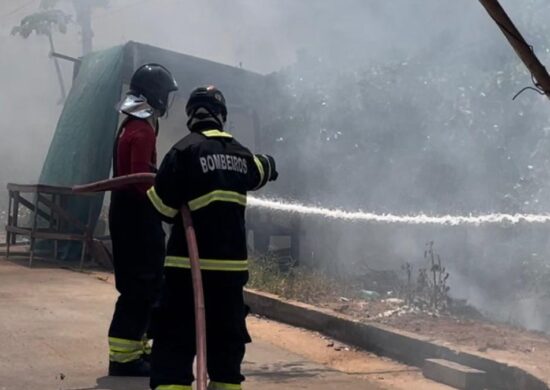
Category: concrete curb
[382,340]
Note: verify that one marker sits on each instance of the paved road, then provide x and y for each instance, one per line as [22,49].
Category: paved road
[52,333]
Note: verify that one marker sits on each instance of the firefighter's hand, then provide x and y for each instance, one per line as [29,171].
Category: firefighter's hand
[274,174]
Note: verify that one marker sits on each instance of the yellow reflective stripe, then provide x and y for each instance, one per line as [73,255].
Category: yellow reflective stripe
[159,204]
[216,133]
[173,387]
[125,345]
[207,264]
[217,195]
[260,169]
[124,350]
[124,357]
[223,386]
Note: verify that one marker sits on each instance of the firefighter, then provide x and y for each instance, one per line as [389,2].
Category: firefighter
[136,230]
[210,172]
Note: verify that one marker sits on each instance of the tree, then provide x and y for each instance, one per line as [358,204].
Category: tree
[83,10]
[48,19]
[43,23]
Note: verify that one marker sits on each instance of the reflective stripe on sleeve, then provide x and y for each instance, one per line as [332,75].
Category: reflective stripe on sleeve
[217,196]
[261,170]
[173,387]
[159,204]
[217,133]
[207,264]
[223,386]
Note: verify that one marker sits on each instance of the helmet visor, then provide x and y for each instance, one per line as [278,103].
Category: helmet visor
[170,102]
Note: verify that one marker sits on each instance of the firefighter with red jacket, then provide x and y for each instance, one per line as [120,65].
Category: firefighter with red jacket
[136,230]
[211,173]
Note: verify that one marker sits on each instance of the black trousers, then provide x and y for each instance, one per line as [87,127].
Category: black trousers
[138,257]
[174,346]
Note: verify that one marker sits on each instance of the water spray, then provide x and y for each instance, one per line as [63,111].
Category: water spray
[279,205]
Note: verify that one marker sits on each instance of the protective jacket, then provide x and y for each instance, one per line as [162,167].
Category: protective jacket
[138,244]
[221,171]
[135,149]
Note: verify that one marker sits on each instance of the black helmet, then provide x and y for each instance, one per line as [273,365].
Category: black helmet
[155,82]
[208,97]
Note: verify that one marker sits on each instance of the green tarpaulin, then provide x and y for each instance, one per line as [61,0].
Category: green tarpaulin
[81,149]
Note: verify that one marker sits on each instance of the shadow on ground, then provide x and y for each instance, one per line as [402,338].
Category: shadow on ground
[281,372]
[120,383]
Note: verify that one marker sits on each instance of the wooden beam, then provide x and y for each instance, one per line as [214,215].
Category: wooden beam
[28,204]
[66,216]
[521,47]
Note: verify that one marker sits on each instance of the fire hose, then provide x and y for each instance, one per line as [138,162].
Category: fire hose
[198,292]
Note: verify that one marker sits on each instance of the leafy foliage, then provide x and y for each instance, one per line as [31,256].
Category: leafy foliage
[48,4]
[42,23]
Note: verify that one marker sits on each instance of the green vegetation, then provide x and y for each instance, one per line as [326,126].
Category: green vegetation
[299,283]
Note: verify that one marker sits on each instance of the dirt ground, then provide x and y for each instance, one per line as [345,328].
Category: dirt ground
[526,349]
[317,348]
[53,324]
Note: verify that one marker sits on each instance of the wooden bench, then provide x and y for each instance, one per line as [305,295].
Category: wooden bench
[46,202]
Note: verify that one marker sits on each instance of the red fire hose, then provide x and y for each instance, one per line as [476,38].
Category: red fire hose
[198,292]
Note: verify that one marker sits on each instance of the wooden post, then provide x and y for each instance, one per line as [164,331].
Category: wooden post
[34,226]
[56,227]
[521,47]
[10,220]
[15,217]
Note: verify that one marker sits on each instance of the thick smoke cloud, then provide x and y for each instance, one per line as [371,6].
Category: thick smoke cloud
[397,106]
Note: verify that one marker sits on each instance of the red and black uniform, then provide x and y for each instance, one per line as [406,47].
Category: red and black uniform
[211,173]
[138,243]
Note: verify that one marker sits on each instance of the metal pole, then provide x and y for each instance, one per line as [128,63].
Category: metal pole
[521,47]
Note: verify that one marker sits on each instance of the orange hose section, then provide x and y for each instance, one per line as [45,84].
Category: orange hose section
[198,291]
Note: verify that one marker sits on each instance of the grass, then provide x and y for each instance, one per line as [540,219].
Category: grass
[295,282]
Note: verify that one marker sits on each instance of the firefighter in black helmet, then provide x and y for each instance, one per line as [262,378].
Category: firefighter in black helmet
[211,173]
[136,230]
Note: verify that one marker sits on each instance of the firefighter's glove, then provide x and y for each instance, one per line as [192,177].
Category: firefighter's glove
[273,174]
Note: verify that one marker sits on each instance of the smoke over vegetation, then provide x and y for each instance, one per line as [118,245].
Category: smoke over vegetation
[397,106]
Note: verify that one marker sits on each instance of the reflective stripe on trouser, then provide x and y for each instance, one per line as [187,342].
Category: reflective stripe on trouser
[174,346]
[207,264]
[172,387]
[223,386]
[124,351]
